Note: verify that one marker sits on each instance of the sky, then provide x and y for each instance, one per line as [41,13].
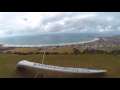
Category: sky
[27,23]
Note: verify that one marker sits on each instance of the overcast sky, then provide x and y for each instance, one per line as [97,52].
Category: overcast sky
[22,23]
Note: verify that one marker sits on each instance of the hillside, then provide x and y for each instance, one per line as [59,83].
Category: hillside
[108,62]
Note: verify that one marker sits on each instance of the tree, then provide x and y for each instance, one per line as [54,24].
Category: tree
[76,51]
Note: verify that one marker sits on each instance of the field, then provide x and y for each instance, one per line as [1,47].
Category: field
[109,48]
[108,62]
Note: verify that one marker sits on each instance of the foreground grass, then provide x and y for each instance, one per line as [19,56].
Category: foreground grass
[111,63]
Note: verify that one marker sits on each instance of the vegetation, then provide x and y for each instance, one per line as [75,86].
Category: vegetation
[109,48]
[62,49]
[108,62]
[26,49]
[107,59]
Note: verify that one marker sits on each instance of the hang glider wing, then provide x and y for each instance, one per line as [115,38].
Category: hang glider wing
[25,63]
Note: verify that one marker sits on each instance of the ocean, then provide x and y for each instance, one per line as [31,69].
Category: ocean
[49,39]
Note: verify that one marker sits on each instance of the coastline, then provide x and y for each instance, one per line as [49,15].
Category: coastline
[104,43]
[92,44]
[63,44]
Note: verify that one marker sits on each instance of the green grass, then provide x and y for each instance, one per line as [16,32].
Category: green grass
[111,63]
[109,48]
[80,49]
[26,49]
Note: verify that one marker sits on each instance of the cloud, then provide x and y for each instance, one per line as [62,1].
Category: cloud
[22,23]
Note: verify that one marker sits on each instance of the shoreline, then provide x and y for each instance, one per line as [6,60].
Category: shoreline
[68,44]
[95,44]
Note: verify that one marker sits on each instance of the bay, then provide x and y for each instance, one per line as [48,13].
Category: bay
[48,39]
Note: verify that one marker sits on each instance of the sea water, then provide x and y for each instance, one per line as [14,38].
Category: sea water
[48,39]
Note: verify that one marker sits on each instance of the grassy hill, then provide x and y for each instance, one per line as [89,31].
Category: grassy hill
[108,62]
[109,48]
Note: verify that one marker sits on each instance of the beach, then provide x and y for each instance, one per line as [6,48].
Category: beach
[98,42]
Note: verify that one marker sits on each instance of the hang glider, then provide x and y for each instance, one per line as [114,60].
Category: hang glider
[25,63]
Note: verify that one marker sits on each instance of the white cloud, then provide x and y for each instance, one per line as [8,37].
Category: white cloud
[62,30]
[118,28]
[20,23]
[109,18]
[101,30]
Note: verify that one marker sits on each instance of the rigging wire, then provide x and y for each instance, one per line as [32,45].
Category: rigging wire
[42,70]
